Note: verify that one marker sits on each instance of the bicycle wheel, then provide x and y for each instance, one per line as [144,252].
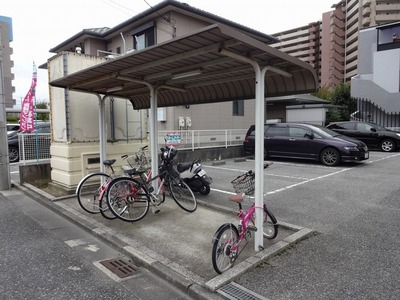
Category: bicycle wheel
[89,191]
[105,210]
[128,199]
[182,194]
[270,225]
[222,256]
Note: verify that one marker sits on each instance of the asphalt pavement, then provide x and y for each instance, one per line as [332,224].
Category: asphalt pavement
[338,238]
[174,244]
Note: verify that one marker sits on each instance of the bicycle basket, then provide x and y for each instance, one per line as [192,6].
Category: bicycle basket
[244,184]
[139,160]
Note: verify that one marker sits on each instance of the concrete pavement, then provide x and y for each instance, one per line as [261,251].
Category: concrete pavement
[174,244]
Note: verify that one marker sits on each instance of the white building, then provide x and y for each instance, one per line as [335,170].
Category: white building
[378,78]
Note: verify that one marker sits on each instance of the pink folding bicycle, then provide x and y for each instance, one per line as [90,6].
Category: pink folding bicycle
[227,241]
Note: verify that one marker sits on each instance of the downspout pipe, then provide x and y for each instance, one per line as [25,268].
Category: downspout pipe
[259,138]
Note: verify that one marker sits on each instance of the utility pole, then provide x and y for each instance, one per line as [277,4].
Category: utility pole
[5,179]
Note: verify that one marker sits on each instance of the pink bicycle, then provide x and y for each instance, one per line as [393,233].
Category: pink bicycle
[228,238]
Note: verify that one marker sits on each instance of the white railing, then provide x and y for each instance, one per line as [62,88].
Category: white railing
[202,139]
[37,146]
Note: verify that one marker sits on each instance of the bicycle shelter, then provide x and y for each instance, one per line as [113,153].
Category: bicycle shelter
[215,64]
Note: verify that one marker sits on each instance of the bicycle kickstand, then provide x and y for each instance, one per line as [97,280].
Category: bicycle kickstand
[155,209]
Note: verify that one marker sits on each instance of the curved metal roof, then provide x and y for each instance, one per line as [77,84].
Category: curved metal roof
[211,53]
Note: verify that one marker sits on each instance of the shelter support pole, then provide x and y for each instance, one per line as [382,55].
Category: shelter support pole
[153,124]
[259,139]
[259,146]
[153,133]
[102,131]
[259,157]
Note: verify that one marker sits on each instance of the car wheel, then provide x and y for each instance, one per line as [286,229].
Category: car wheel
[330,157]
[13,154]
[387,145]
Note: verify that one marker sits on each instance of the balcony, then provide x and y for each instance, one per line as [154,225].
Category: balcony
[365,22]
[366,12]
[366,3]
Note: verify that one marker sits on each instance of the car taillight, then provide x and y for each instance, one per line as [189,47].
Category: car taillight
[246,138]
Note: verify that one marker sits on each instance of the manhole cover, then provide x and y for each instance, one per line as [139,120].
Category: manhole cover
[119,267]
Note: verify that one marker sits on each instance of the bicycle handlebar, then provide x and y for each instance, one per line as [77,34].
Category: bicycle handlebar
[266,165]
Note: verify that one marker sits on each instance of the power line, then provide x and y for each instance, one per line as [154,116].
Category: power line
[120,7]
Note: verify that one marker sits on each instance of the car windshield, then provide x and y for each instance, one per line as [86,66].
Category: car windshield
[324,132]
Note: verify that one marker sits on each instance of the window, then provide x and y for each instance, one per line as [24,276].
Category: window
[348,126]
[297,132]
[362,127]
[238,108]
[388,37]
[143,36]
[277,131]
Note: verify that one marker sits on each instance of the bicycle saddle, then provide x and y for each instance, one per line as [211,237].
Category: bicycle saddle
[132,172]
[109,162]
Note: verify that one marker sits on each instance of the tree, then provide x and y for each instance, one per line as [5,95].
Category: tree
[341,96]
[42,116]
[323,93]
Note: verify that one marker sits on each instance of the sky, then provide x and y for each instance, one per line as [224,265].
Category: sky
[41,25]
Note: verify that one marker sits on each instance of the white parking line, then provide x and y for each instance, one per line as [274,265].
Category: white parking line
[306,181]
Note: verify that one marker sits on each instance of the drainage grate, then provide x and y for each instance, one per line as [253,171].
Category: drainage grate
[119,267]
[234,291]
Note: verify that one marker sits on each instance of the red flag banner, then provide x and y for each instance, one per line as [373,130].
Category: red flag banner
[26,118]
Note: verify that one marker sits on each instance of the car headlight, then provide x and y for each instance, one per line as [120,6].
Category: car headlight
[398,134]
[351,148]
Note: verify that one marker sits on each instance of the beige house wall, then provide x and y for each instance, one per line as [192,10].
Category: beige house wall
[75,125]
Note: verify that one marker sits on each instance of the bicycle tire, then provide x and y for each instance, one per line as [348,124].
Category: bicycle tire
[88,191]
[182,194]
[128,199]
[270,224]
[226,236]
[105,210]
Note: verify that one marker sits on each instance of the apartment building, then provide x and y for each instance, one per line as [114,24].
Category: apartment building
[6,37]
[330,45]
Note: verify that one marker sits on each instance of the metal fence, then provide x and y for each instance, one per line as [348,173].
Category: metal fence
[34,146]
[202,139]
[369,112]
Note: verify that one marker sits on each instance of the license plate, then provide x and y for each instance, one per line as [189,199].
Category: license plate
[366,155]
[201,173]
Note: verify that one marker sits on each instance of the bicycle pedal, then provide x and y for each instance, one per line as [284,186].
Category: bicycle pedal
[156,210]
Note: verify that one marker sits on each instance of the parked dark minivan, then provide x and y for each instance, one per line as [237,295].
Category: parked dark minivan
[373,135]
[305,141]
